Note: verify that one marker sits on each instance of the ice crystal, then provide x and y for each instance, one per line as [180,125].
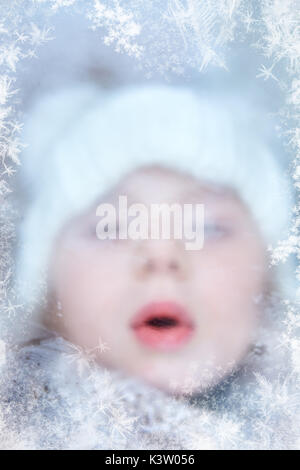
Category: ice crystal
[163,37]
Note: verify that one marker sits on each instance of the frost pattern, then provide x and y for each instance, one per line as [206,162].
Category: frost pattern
[280,44]
[122,29]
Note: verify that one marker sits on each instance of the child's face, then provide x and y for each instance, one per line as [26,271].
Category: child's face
[179,319]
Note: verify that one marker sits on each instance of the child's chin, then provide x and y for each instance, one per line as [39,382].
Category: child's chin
[185,387]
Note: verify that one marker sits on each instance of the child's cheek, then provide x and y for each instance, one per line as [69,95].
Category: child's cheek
[88,281]
[238,265]
[229,282]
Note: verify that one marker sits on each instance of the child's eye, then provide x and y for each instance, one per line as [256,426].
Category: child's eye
[215,231]
[91,232]
[107,229]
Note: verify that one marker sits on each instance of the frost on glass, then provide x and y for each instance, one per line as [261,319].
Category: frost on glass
[164,37]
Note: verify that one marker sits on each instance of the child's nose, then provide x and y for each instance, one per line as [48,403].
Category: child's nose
[157,257]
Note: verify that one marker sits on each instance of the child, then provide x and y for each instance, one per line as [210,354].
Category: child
[178,330]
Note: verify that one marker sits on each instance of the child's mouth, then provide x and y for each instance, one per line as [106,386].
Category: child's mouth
[162,325]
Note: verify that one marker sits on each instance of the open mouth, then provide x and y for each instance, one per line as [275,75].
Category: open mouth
[162,325]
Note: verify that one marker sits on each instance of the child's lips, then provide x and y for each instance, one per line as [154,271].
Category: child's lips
[162,326]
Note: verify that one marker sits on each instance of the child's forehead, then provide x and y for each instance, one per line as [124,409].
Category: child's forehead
[156,182]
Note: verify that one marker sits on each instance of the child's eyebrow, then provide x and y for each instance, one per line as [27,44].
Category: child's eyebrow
[113,198]
[211,193]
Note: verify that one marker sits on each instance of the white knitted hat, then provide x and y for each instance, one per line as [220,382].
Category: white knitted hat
[81,140]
